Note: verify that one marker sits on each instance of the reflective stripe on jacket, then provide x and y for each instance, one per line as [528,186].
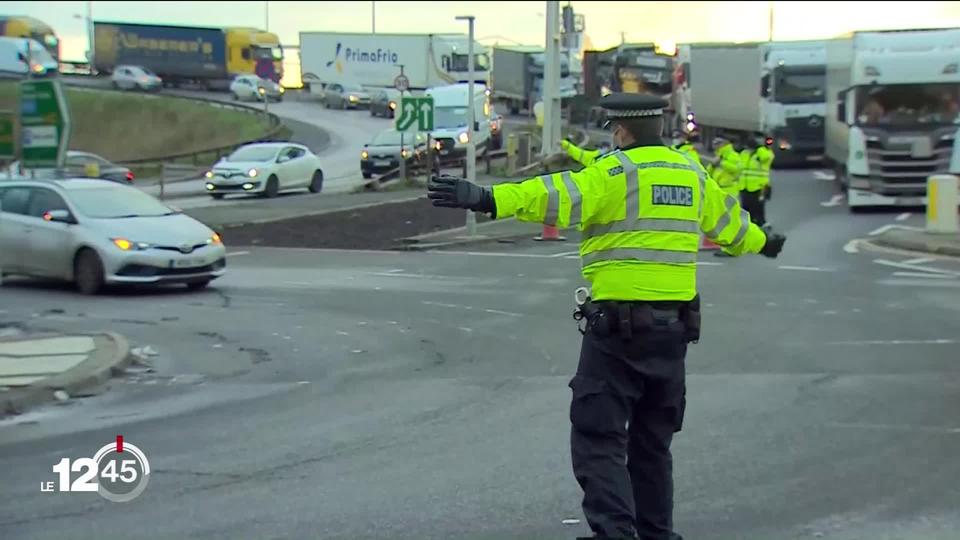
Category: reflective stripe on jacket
[727,170]
[756,171]
[641,212]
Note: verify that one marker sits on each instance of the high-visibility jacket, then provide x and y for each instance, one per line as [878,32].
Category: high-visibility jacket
[756,170]
[580,155]
[641,212]
[690,150]
[727,170]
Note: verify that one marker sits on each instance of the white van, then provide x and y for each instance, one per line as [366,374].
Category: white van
[450,124]
[14,57]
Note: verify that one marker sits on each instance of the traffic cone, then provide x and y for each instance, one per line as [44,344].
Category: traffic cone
[550,233]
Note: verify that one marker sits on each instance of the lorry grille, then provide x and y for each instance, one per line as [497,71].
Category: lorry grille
[806,128]
[900,169]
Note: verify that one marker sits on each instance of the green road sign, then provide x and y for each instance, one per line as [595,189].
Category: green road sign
[416,111]
[8,146]
[44,124]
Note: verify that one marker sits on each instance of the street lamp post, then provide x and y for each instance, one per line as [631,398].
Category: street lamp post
[471,130]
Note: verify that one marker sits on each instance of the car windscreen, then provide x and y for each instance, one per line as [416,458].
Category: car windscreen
[113,202]
[253,153]
[391,138]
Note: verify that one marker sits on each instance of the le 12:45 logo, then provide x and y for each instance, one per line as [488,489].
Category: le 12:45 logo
[119,472]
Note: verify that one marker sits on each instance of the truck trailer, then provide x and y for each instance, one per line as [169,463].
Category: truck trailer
[517,77]
[208,56]
[893,116]
[374,60]
[775,89]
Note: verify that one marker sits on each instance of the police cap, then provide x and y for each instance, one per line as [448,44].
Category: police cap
[622,106]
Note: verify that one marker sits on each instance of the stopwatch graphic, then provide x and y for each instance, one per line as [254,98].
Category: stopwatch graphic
[123,471]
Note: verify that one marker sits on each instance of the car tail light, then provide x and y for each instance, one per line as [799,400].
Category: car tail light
[129,176]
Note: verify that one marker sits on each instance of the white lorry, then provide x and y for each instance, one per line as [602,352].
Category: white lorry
[373,60]
[517,77]
[773,88]
[451,120]
[893,115]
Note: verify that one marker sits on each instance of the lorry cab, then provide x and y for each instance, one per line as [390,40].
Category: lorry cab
[793,87]
[18,56]
[254,51]
[450,118]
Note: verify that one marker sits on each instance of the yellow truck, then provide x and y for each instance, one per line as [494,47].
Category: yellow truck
[28,27]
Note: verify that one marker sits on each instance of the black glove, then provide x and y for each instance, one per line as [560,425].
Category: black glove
[452,192]
[767,193]
[773,245]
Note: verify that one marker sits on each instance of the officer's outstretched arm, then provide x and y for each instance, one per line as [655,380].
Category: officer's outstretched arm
[580,155]
[727,224]
[564,199]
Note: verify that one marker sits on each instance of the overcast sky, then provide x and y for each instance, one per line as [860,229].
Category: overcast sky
[510,22]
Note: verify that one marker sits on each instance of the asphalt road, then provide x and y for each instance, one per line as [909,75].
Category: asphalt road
[364,394]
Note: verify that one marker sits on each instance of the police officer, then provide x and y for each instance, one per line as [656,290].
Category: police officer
[582,155]
[641,210]
[755,178]
[689,145]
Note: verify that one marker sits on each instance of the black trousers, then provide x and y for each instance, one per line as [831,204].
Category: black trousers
[754,204]
[628,401]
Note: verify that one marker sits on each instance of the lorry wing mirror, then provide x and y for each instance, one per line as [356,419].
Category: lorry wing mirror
[765,86]
[842,106]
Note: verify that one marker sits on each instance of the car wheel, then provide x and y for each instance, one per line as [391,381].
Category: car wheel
[88,272]
[236,97]
[316,183]
[367,175]
[217,196]
[272,188]
[326,104]
[372,112]
[197,285]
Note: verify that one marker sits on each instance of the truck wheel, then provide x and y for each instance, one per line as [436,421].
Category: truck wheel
[514,109]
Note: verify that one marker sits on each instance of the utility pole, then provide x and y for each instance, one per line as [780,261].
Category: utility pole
[373,17]
[551,81]
[770,21]
[266,16]
[472,119]
[90,35]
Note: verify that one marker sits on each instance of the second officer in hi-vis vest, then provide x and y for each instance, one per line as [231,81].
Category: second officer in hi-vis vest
[641,210]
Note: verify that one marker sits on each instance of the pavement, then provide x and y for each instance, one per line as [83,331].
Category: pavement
[306,387]
[921,241]
[55,366]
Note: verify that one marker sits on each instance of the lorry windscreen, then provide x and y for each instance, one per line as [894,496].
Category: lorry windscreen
[804,84]
[267,53]
[461,62]
[908,105]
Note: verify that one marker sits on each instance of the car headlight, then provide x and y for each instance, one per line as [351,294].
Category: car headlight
[354,98]
[252,173]
[208,174]
[262,90]
[127,245]
[364,154]
[393,105]
[404,153]
[785,144]
[215,239]
[464,138]
[281,89]
[210,187]
[437,145]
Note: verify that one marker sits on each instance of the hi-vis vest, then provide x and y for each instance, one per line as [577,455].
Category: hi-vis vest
[756,171]
[580,155]
[641,212]
[691,151]
[727,170]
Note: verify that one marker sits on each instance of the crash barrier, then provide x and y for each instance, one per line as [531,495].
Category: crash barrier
[942,201]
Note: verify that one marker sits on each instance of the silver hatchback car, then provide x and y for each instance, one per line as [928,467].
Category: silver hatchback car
[95,232]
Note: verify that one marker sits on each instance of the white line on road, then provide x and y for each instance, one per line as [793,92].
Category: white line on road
[299,283]
[836,200]
[469,308]
[709,263]
[806,268]
[895,342]
[904,216]
[911,267]
[945,430]
[824,175]
[851,246]
[922,275]
[919,260]
[903,282]
[566,254]
[237,253]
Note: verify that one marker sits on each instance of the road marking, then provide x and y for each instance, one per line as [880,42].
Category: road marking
[300,283]
[901,282]
[498,254]
[921,275]
[851,246]
[920,260]
[824,175]
[806,268]
[567,254]
[709,263]
[911,267]
[470,308]
[237,253]
[895,342]
[836,200]
[944,430]
[904,216]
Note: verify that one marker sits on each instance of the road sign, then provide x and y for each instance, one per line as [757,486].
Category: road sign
[401,83]
[8,145]
[44,123]
[416,111]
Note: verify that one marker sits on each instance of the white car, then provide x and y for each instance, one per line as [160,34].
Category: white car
[134,77]
[265,169]
[254,88]
[96,232]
